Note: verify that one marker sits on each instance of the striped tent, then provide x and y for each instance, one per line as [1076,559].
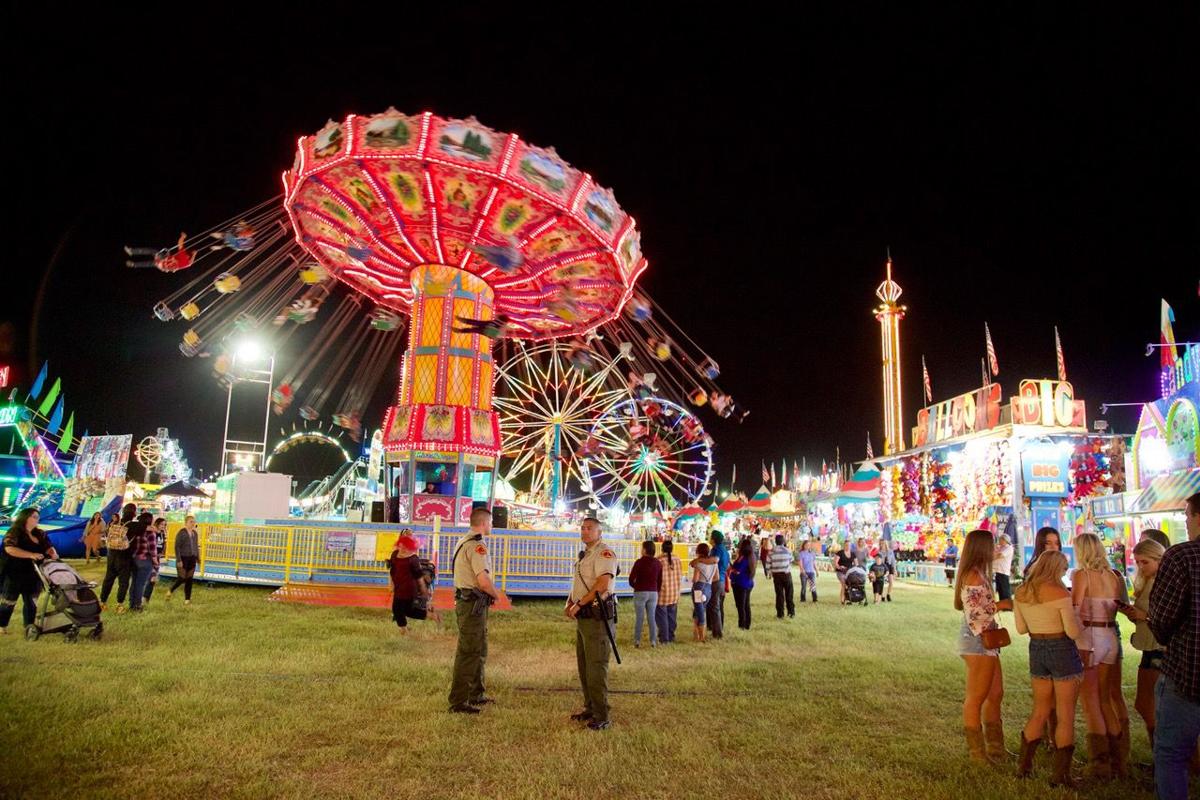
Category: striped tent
[730,504]
[1167,493]
[863,486]
[761,502]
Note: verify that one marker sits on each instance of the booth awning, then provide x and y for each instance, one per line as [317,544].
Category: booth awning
[863,487]
[1167,493]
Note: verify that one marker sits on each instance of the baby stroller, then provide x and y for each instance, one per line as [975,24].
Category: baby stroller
[856,585]
[67,605]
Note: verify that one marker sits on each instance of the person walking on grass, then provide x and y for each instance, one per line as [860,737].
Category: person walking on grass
[879,576]
[474,593]
[1174,619]
[160,546]
[808,570]
[187,556]
[974,596]
[119,557]
[705,572]
[406,579]
[646,579]
[715,615]
[667,611]
[1095,592]
[741,575]
[764,551]
[93,535]
[950,557]
[843,560]
[781,559]
[144,544]
[1044,611]
[24,544]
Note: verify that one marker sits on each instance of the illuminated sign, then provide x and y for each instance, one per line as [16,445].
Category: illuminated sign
[5,372]
[1185,370]
[1046,471]
[10,415]
[963,415]
[1047,402]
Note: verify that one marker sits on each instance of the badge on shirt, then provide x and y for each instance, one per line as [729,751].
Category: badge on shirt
[481,550]
[607,554]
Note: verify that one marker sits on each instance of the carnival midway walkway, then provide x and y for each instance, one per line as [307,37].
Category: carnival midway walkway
[238,697]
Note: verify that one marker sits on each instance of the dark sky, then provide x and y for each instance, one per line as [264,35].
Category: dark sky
[1030,169]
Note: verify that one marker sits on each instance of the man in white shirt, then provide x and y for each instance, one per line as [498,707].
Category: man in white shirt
[1002,566]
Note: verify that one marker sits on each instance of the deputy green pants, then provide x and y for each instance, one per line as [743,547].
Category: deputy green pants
[591,653]
[466,683]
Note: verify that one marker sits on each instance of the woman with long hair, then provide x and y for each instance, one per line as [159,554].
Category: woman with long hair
[24,544]
[93,534]
[1047,539]
[1044,611]
[704,574]
[741,575]
[974,595]
[1147,555]
[1095,592]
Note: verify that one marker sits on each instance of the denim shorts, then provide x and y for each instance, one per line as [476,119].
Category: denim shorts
[1056,659]
[970,644]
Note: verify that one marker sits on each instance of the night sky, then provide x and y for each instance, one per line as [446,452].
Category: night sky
[1029,170]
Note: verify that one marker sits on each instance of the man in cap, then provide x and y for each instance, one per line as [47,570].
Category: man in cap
[593,607]
[474,592]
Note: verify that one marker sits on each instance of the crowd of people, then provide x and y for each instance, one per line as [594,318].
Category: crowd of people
[1075,652]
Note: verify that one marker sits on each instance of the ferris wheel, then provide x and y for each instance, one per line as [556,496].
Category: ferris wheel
[549,397]
[652,455]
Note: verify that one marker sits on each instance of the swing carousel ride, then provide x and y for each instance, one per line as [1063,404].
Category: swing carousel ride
[467,237]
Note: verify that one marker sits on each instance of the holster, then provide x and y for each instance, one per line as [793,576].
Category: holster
[481,602]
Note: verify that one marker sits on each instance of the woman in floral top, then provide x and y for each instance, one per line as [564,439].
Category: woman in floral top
[974,596]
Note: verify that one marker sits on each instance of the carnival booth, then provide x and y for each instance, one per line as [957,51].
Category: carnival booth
[1164,463]
[976,459]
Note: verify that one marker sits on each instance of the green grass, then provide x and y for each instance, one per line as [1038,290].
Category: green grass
[239,697]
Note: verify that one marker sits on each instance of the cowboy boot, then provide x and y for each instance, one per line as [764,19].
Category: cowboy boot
[993,737]
[975,745]
[1118,749]
[1098,757]
[1061,772]
[1028,751]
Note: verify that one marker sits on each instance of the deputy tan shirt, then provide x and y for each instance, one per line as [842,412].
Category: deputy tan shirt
[472,558]
[599,559]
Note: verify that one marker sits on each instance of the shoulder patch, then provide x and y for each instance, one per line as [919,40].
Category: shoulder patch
[481,550]
[607,554]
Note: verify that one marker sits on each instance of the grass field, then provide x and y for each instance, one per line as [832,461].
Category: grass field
[239,697]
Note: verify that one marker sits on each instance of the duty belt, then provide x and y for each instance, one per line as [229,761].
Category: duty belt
[464,594]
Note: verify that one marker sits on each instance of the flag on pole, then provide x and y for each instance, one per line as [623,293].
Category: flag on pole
[64,441]
[928,384]
[1167,353]
[51,396]
[773,482]
[766,475]
[1058,353]
[733,480]
[783,472]
[41,379]
[870,450]
[983,371]
[991,352]
[55,418]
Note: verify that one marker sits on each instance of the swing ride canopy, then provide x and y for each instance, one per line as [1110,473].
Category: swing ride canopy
[373,198]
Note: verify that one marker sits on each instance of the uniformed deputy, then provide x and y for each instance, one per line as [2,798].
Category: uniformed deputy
[472,589]
[594,576]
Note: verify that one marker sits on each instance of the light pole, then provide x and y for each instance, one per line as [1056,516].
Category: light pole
[251,356]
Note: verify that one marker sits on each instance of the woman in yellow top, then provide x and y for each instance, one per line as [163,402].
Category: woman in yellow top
[1147,556]
[1043,609]
[1095,591]
[93,534]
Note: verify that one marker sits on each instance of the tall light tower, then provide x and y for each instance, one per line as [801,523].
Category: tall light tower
[889,313]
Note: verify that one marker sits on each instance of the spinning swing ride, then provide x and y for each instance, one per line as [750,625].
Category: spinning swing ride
[474,237]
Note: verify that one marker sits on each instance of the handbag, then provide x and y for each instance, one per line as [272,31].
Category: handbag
[995,638]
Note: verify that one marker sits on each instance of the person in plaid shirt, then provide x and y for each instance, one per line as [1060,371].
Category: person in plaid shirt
[666,612]
[143,541]
[1175,621]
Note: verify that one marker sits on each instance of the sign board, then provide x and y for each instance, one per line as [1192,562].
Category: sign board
[960,416]
[103,457]
[10,415]
[339,542]
[1185,370]
[364,546]
[1046,469]
[1048,403]
[5,373]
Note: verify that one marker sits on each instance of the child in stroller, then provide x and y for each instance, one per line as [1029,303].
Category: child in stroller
[68,605]
[856,583]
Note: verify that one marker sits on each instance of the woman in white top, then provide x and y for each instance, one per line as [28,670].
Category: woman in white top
[1095,590]
[704,573]
[1002,566]
[1044,611]
[973,595]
